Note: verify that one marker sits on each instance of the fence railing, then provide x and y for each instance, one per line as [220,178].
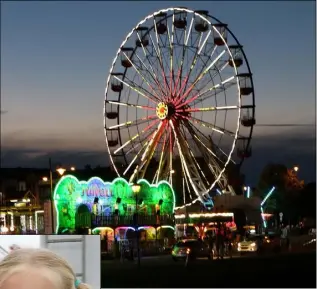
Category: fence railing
[148,247]
[91,220]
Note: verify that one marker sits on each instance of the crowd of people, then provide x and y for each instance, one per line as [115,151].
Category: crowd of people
[221,241]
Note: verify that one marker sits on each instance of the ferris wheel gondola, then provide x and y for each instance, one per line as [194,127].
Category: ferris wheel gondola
[180,86]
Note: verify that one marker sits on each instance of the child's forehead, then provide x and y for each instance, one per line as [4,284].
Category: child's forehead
[27,280]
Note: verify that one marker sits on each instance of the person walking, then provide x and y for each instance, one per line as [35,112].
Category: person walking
[220,241]
[229,240]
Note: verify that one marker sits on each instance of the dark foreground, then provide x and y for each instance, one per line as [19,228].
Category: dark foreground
[291,270]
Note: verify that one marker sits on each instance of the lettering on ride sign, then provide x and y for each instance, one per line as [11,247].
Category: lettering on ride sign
[97,191]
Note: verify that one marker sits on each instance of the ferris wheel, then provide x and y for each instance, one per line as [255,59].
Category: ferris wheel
[179,88]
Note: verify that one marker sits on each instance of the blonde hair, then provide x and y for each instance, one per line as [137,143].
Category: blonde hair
[49,265]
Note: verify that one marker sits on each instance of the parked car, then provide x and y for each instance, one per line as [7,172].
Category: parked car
[272,243]
[192,248]
[249,244]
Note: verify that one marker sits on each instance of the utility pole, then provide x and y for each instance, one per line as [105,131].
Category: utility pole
[51,195]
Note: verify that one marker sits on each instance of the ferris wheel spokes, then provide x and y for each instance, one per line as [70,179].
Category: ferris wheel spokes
[162,157]
[186,182]
[135,146]
[214,127]
[151,139]
[196,162]
[211,159]
[144,79]
[171,150]
[137,154]
[180,68]
[134,88]
[202,148]
[149,151]
[152,74]
[159,55]
[135,136]
[146,54]
[172,69]
[195,57]
[142,90]
[211,145]
[193,175]
[185,82]
[170,38]
[131,105]
[216,89]
[196,138]
[165,166]
[196,81]
[134,122]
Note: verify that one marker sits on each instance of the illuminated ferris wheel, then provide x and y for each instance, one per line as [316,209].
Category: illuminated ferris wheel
[179,87]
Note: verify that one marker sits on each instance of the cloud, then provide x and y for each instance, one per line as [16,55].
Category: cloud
[39,159]
[293,146]
[54,141]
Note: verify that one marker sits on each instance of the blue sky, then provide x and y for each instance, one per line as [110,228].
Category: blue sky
[55,57]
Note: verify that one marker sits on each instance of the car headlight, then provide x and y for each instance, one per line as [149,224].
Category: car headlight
[253,244]
[239,244]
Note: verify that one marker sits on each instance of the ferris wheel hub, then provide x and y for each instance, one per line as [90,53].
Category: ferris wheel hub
[165,110]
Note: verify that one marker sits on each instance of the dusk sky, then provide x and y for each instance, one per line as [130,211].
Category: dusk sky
[55,58]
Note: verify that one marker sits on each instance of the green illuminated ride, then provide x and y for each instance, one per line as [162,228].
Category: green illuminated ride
[72,197]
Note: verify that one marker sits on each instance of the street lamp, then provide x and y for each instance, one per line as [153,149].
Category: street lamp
[136,190]
[44,179]
[295,168]
[61,171]
[245,188]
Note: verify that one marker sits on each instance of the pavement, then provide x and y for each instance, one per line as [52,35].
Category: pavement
[283,270]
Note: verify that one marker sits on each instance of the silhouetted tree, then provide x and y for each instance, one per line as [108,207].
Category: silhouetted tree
[272,175]
[307,201]
[88,167]
[287,190]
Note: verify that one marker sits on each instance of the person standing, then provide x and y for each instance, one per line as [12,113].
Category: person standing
[229,240]
[106,242]
[220,241]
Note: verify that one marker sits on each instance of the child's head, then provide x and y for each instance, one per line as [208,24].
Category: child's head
[37,269]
